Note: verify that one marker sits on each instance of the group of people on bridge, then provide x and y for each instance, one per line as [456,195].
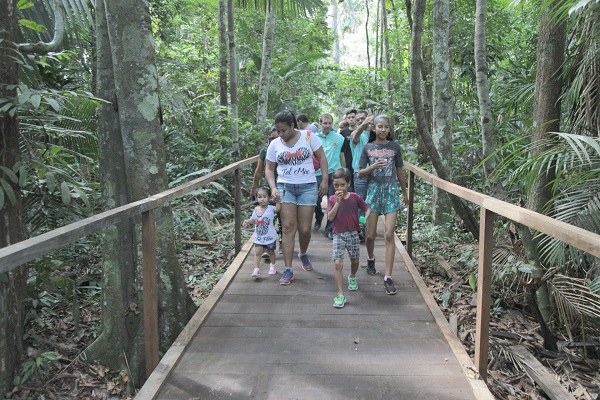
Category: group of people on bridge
[360,171]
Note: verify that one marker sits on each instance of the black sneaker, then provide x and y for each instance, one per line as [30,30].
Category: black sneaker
[317,225]
[371,267]
[329,235]
[389,286]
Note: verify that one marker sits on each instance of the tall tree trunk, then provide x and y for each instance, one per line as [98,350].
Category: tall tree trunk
[265,67]
[13,285]
[442,106]
[377,38]
[119,259]
[367,39]
[416,61]
[483,91]
[386,52]
[223,54]
[233,80]
[132,61]
[336,29]
[546,118]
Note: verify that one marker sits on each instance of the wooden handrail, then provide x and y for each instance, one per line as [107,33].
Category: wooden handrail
[27,250]
[490,206]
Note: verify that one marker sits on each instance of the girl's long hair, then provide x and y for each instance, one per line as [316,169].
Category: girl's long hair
[373,135]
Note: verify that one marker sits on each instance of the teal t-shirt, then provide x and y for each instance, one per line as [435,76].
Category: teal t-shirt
[332,145]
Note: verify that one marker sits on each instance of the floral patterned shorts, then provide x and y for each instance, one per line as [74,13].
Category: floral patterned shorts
[383,198]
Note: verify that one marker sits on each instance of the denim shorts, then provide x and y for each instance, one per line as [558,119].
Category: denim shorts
[268,246]
[301,194]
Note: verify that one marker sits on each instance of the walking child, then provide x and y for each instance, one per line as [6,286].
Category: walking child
[342,210]
[265,234]
[381,161]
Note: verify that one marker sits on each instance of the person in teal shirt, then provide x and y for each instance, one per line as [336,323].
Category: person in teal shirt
[332,143]
[359,137]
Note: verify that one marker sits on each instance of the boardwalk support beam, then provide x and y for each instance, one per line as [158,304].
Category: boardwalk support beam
[484,289]
[150,293]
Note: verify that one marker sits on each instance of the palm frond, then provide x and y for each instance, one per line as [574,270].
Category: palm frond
[576,303]
[289,8]
[79,20]
[301,60]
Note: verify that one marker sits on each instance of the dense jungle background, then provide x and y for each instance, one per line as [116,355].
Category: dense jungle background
[104,103]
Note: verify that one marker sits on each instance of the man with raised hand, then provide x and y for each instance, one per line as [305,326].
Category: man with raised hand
[332,143]
[360,137]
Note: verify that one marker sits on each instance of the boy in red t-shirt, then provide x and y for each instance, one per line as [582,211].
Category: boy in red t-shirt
[342,209]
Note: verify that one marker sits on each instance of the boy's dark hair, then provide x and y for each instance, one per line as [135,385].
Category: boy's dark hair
[342,173]
[264,189]
[287,117]
[302,117]
[353,111]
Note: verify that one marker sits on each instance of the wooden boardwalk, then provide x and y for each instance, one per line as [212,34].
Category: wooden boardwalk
[256,339]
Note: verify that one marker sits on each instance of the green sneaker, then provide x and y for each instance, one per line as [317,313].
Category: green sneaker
[339,301]
[352,285]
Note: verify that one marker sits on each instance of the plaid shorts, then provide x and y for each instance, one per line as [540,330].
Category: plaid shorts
[346,241]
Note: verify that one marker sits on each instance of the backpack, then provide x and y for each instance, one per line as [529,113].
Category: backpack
[316,162]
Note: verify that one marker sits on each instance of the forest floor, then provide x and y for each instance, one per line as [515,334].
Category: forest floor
[57,372]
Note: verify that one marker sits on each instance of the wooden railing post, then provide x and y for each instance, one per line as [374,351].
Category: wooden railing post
[237,182]
[150,293]
[484,291]
[410,215]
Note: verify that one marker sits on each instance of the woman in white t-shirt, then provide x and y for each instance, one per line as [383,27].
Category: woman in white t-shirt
[296,186]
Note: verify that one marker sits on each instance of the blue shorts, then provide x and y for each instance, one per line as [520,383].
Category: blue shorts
[268,246]
[301,194]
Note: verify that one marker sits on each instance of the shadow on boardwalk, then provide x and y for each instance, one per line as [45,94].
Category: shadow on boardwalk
[256,339]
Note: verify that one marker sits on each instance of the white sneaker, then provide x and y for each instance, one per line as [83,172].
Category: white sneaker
[272,270]
[256,272]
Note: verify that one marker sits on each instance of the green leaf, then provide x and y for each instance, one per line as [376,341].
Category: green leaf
[36,100]
[24,4]
[65,193]
[32,25]
[12,176]
[82,194]
[472,282]
[10,193]
[50,181]
[54,104]
[4,278]
[446,298]
[22,176]
[55,150]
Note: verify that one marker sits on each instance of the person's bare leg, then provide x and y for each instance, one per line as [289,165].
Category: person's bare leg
[258,250]
[371,233]
[304,222]
[337,274]
[272,256]
[289,225]
[390,245]
[353,266]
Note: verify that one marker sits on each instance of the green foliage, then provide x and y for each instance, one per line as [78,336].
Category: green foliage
[39,366]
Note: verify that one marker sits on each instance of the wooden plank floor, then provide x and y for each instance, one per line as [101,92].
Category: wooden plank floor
[262,340]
